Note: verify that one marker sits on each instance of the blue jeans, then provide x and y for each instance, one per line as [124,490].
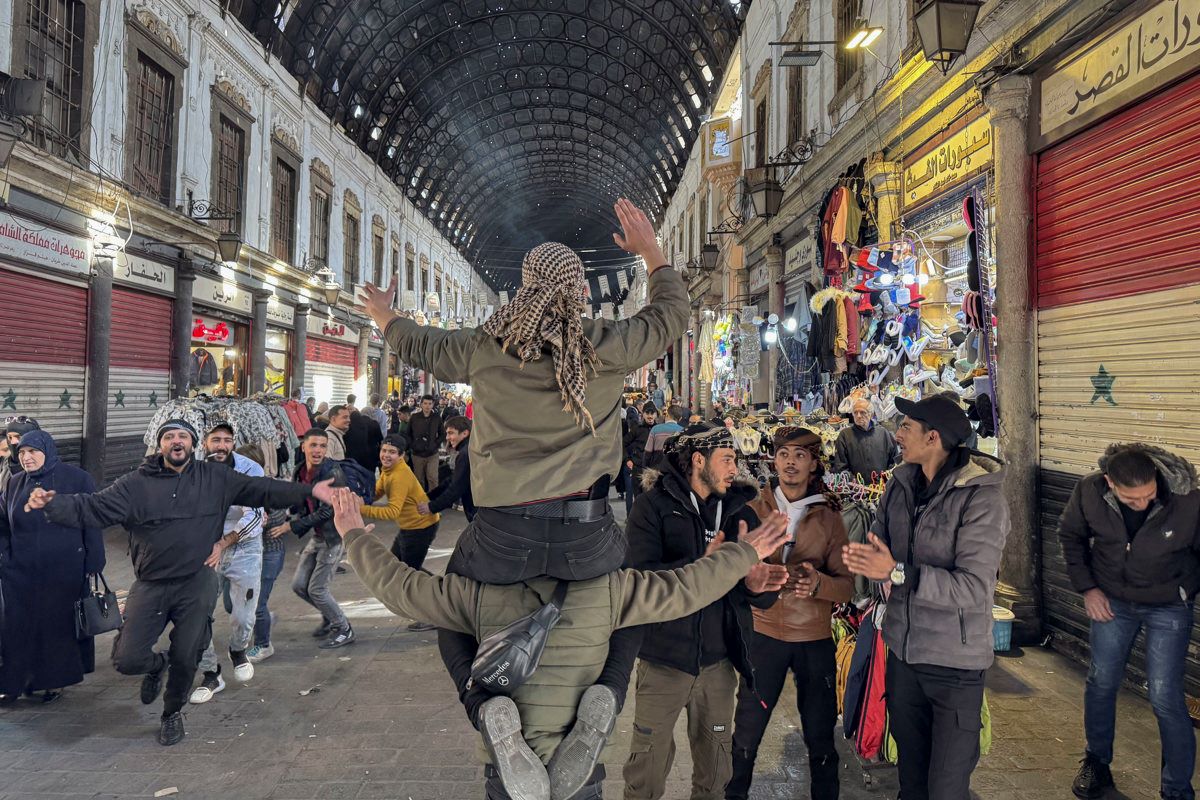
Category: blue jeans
[1168,628]
[272,566]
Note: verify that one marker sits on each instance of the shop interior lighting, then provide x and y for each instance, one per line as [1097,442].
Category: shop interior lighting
[771,336]
[864,35]
[790,324]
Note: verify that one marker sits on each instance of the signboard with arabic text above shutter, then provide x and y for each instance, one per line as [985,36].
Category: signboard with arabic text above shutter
[947,160]
[222,294]
[1158,43]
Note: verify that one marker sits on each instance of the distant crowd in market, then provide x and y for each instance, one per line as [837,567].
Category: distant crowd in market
[716,586]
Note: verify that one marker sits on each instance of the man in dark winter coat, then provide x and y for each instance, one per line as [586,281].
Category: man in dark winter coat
[688,510]
[363,440]
[937,540]
[635,446]
[426,430]
[1130,535]
[864,448]
[174,509]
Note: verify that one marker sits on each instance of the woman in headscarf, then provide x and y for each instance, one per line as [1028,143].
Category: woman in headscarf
[44,569]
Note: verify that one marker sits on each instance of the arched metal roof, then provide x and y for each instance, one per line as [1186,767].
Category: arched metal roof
[511,122]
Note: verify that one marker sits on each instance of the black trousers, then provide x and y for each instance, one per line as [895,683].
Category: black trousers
[411,546]
[501,548]
[187,604]
[592,790]
[814,669]
[934,716]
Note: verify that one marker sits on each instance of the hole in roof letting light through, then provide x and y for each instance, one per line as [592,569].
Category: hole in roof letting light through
[359,111]
[376,132]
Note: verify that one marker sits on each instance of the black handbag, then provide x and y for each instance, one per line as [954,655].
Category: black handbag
[96,612]
[508,657]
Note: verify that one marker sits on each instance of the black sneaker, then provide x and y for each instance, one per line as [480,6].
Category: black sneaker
[171,730]
[152,682]
[1092,780]
[521,771]
[417,627]
[323,630]
[339,637]
[577,755]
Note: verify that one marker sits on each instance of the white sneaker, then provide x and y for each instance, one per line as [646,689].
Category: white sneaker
[212,684]
[243,670]
[259,653]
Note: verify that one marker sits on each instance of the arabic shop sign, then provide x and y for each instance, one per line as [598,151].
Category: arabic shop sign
[30,241]
[211,331]
[280,313]
[138,271]
[948,161]
[222,294]
[1159,44]
[331,329]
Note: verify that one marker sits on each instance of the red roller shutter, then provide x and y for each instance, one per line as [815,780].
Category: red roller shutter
[43,353]
[328,352]
[139,376]
[1118,206]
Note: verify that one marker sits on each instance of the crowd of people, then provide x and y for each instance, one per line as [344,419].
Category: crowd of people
[714,589]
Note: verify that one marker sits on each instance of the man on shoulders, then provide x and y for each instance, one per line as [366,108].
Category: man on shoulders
[1129,539]
[937,539]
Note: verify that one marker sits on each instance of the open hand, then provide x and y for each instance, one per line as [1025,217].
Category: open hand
[768,536]
[323,491]
[279,530]
[347,513]
[39,498]
[638,237]
[871,559]
[764,577]
[214,558]
[378,302]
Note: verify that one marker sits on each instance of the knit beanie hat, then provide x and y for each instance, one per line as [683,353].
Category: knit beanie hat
[176,425]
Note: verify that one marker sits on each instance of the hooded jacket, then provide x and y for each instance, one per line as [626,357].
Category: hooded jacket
[1161,564]
[665,531]
[818,540]
[942,613]
[577,647]
[173,518]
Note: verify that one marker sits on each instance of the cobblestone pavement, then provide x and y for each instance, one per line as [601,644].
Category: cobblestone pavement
[380,719]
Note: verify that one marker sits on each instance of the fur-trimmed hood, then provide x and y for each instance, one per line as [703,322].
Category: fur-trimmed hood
[1177,471]
[821,298]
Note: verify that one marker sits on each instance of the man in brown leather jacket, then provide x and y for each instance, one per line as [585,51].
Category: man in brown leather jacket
[795,633]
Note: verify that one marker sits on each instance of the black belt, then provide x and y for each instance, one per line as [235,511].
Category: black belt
[575,510]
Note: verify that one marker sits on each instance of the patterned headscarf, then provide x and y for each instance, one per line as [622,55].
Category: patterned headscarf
[545,311]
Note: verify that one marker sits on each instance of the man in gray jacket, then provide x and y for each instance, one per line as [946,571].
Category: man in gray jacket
[937,541]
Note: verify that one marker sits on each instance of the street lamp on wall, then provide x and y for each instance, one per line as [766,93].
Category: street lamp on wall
[766,195]
[945,29]
[329,286]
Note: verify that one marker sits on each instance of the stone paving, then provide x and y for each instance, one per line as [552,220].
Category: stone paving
[380,719]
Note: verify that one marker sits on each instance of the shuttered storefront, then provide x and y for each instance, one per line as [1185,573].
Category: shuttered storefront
[139,377]
[1117,249]
[43,353]
[330,369]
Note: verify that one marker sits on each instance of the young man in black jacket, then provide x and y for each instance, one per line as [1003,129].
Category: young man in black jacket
[458,434]
[174,509]
[426,430]
[320,557]
[635,448]
[1130,535]
[688,510]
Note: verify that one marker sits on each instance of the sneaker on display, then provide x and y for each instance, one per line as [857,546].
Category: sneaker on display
[212,683]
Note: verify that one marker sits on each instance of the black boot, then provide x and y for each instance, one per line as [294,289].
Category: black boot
[1093,778]
[171,730]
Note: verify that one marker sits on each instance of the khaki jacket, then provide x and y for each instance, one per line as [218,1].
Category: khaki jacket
[578,646]
[523,445]
[820,537]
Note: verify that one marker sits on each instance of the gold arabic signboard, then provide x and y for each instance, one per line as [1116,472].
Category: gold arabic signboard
[947,162]
[1157,45]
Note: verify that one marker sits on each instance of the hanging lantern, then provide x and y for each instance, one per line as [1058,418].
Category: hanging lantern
[945,29]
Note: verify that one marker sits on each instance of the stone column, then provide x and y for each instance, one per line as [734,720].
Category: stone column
[885,182]
[774,259]
[181,339]
[384,370]
[299,344]
[95,403]
[257,378]
[364,343]
[1016,381]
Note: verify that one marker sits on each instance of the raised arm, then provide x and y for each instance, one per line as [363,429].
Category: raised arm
[102,509]
[664,595]
[245,490]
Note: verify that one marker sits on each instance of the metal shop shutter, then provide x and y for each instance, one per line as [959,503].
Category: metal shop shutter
[330,366]
[1118,205]
[139,376]
[1117,370]
[43,356]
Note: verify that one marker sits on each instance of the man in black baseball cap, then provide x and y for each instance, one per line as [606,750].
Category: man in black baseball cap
[936,543]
